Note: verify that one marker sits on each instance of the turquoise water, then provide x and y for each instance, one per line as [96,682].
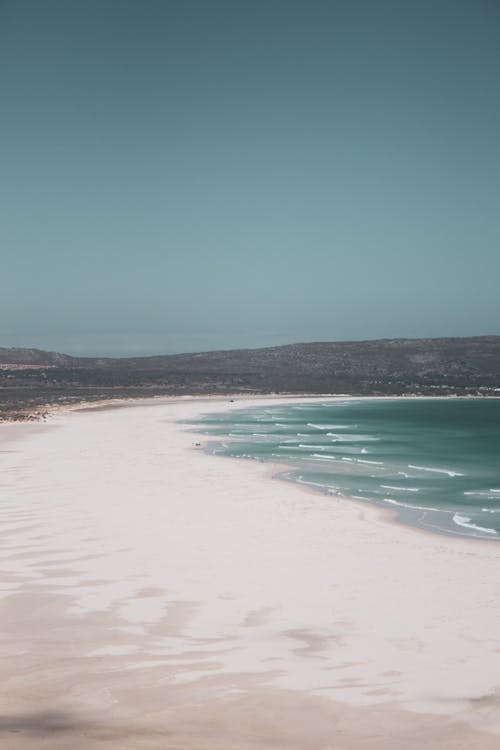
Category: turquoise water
[436,461]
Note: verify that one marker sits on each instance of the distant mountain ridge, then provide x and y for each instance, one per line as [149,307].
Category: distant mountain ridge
[19,356]
[475,352]
[31,378]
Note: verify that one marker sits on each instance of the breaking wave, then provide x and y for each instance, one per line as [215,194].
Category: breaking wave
[466,523]
[441,451]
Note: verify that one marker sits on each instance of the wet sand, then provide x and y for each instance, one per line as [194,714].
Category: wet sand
[153,596]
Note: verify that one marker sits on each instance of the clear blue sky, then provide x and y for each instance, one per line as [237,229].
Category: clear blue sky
[182,175]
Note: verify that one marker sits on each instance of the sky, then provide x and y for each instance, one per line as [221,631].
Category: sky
[189,175]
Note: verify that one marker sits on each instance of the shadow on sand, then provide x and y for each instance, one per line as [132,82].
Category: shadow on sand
[42,723]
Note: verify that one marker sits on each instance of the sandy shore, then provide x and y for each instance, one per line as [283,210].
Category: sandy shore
[153,596]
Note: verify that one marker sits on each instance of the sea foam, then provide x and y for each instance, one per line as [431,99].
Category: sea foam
[452,471]
[403,489]
[466,522]
[408,505]
[437,471]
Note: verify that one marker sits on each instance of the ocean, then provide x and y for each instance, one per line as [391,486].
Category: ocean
[434,461]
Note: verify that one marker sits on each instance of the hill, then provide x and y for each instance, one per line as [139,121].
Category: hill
[30,378]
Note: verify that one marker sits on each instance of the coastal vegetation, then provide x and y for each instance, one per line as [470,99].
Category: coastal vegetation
[32,380]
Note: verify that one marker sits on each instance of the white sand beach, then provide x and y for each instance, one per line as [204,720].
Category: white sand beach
[155,596]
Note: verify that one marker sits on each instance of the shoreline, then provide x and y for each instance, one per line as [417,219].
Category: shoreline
[160,596]
[391,515]
[44,411]
[403,515]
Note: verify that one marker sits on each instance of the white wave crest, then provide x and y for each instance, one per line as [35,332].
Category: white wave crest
[482,493]
[407,505]
[314,447]
[301,480]
[466,522]
[329,426]
[403,489]
[437,471]
[350,438]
